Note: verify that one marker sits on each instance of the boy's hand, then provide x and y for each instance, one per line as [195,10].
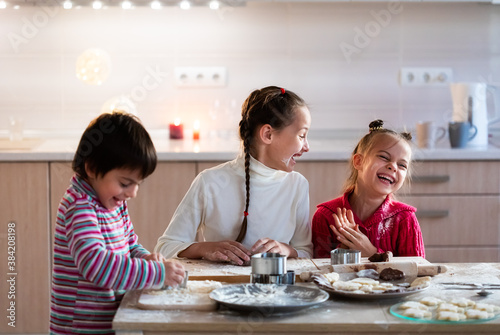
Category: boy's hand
[157,257]
[269,245]
[174,272]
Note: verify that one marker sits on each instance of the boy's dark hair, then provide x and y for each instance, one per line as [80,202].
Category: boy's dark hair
[114,141]
[270,105]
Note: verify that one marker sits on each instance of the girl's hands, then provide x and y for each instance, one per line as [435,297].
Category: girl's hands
[355,239]
[224,251]
[157,257]
[268,245]
[174,272]
[344,218]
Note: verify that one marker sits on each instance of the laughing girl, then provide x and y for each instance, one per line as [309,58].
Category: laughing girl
[366,217]
[255,203]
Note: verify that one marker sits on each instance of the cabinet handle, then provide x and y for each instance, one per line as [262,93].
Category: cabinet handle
[433,214]
[431,179]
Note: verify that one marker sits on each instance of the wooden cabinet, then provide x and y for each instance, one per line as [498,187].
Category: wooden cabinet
[156,201]
[24,207]
[458,208]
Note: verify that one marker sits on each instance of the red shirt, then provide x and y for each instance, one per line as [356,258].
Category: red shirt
[392,227]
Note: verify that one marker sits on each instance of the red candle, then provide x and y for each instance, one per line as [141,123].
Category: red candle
[196,130]
[176,130]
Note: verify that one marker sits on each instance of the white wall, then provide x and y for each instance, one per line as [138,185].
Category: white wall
[292,45]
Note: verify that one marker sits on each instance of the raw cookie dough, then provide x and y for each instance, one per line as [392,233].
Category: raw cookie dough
[417,313]
[332,277]
[421,282]
[413,305]
[477,314]
[431,301]
[450,308]
[462,302]
[450,316]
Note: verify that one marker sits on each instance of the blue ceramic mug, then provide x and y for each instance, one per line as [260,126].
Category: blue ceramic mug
[461,133]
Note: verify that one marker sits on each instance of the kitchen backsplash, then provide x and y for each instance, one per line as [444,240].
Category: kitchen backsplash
[342,58]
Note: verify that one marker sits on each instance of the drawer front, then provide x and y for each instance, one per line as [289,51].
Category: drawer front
[458,220]
[454,178]
[462,255]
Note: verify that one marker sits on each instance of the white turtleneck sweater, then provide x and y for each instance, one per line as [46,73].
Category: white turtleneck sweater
[212,209]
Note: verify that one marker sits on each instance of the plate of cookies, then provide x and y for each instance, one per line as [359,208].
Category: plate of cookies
[369,288]
[435,310]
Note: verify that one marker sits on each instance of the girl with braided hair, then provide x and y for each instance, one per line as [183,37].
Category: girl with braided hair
[255,203]
[366,217]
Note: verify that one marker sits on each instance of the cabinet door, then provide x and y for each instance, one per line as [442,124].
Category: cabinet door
[23,204]
[156,201]
[457,221]
[450,177]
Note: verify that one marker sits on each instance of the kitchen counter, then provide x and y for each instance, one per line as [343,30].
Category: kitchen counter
[341,315]
[224,148]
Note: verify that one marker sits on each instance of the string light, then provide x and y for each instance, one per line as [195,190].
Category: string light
[126,4]
[214,4]
[97,4]
[185,4]
[156,5]
[67,4]
[93,66]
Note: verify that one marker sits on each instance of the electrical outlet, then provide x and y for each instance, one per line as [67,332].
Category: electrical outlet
[204,76]
[425,76]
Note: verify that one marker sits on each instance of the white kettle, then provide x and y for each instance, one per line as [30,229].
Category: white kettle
[469,105]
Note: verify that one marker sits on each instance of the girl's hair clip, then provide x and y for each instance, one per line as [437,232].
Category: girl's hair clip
[283,91]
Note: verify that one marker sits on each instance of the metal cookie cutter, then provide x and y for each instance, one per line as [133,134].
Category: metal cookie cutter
[270,268]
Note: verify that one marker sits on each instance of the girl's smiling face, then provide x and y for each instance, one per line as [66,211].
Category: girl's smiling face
[288,143]
[116,186]
[384,168]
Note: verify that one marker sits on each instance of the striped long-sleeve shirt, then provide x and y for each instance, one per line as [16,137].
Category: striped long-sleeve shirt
[96,258]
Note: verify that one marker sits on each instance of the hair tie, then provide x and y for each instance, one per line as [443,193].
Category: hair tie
[245,213]
[375,128]
[283,91]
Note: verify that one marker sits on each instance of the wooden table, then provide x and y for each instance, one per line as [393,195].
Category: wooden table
[335,316]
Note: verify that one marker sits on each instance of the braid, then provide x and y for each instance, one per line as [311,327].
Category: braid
[246,149]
